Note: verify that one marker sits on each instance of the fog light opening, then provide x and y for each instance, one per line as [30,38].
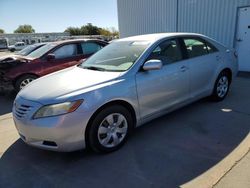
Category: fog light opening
[49,143]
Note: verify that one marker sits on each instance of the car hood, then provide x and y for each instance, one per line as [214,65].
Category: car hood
[59,86]
[8,56]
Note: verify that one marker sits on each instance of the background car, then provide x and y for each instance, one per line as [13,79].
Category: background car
[47,59]
[24,52]
[126,84]
[17,46]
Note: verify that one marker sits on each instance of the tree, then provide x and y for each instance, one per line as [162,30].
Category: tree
[90,29]
[105,32]
[73,31]
[114,32]
[24,29]
[1,31]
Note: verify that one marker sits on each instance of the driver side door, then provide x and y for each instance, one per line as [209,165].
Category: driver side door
[65,56]
[159,90]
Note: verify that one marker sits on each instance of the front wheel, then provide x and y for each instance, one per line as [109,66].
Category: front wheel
[109,129]
[221,87]
[23,81]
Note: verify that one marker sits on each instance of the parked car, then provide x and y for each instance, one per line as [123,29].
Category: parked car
[17,46]
[129,82]
[47,59]
[24,52]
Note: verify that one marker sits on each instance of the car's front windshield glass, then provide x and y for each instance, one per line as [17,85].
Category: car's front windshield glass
[118,56]
[26,50]
[41,51]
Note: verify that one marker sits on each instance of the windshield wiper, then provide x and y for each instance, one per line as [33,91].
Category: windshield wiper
[94,68]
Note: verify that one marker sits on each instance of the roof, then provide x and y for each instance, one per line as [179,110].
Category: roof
[156,36]
[76,40]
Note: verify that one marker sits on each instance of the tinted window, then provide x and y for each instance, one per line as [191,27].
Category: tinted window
[168,52]
[65,51]
[195,47]
[90,47]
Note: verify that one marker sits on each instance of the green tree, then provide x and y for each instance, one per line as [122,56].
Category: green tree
[90,29]
[1,31]
[73,31]
[24,29]
[105,32]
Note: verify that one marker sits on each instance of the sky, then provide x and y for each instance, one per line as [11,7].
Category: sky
[57,15]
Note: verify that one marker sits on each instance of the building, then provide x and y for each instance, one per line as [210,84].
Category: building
[227,21]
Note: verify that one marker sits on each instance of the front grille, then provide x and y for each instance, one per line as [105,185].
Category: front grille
[21,110]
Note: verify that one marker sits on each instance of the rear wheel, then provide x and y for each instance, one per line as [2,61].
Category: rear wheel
[221,86]
[109,129]
[23,81]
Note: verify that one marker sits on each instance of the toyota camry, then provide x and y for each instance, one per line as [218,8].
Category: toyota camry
[98,103]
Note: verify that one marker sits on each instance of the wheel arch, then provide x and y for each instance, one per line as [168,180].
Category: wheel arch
[229,72]
[123,103]
[21,75]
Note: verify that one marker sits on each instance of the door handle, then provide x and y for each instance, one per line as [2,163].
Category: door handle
[183,68]
[239,40]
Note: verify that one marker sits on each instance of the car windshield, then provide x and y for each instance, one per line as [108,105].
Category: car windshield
[117,56]
[27,50]
[41,51]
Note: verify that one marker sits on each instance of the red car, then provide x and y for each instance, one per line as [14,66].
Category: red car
[47,59]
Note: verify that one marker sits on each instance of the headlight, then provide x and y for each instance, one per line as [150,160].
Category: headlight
[57,109]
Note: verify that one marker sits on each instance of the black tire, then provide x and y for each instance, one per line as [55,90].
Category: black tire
[18,84]
[216,95]
[12,49]
[94,137]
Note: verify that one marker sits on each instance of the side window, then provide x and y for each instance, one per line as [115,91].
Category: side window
[195,48]
[89,48]
[65,51]
[211,48]
[168,52]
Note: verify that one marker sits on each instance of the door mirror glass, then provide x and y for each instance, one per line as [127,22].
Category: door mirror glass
[153,64]
[50,57]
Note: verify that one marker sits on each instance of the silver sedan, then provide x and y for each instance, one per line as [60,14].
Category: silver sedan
[129,82]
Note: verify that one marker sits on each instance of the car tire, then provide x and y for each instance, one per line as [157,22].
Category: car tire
[12,50]
[110,129]
[221,87]
[23,81]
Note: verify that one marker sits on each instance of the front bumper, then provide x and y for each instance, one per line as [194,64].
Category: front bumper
[59,133]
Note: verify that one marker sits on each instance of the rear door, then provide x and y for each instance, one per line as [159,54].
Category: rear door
[203,59]
[160,89]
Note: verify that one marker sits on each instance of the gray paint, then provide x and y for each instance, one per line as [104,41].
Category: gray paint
[216,19]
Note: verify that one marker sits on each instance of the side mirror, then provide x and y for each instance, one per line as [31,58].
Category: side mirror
[51,57]
[153,64]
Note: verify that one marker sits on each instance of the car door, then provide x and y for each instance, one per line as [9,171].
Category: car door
[160,89]
[203,58]
[64,56]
